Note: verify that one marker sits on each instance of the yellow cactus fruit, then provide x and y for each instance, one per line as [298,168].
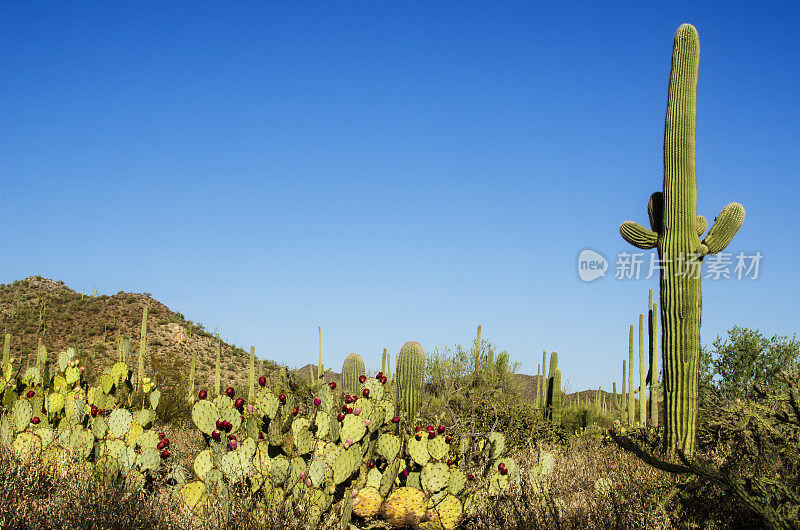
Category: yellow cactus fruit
[367,502]
[405,506]
[445,515]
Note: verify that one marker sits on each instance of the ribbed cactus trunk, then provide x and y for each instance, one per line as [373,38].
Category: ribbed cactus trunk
[624,399]
[538,400]
[653,341]
[642,375]
[251,379]
[478,352]
[543,384]
[631,395]
[142,351]
[352,369]
[675,231]
[192,368]
[553,406]
[410,377]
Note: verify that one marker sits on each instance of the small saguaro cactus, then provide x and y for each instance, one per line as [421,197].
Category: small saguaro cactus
[543,384]
[352,369]
[676,230]
[410,368]
[642,375]
[554,391]
[251,378]
[653,334]
[142,351]
[217,368]
[631,397]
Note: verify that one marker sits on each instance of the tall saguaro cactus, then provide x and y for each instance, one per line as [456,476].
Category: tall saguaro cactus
[642,375]
[410,369]
[553,405]
[676,230]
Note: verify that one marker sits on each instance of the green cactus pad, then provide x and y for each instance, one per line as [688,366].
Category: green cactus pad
[438,448]
[113,447]
[434,477]
[498,443]
[27,446]
[389,476]
[603,486]
[388,408]
[99,427]
[148,440]
[205,416]
[334,426]
[365,405]
[235,466]
[498,484]
[64,358]
[155,396]
[279,469]
[119,373]
[376,389]
[298,466]
[352,428]
[222,401]
[344,466]
[6,432]
[267,403]
[323,424]
[374,478]
[418,449]
[46,434]
[144,417]
[303,441]
[299,424]
[194,496]
[376,419]
[32,376]
[55,403]
[107,383]
[231,415]
[547,463]
[106,470]
[388,446]
[261,459]
[148,460]
[22,414]
[457,481]
[413,480]
[119,423]
[317,472]
[202,464]
[72,375]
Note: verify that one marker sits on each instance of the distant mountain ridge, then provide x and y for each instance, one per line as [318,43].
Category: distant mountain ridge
[40,308]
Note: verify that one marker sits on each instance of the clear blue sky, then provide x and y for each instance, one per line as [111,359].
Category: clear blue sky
[390,172]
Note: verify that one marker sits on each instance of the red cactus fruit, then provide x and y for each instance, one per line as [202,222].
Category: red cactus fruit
[35,420]
[340,417]
[440,429]
[404,473]
[262,381]
[448,439]
[203,394]
[362,379]
[366,392]
[332,385]
[232,444]
[372,463]
[383,380]
[161,436]
[470,477]
[215,434]
[282,398]
[317,402]
[220,425]
[295,411]
[30,394]
[417,428]
[239,403]
[164,454]
[379,376]
[449,461]
[230,392]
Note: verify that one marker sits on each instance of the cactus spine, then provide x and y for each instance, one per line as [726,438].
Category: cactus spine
[352,369]
[675,231]
[410,376]
[653,334]
[142,351]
